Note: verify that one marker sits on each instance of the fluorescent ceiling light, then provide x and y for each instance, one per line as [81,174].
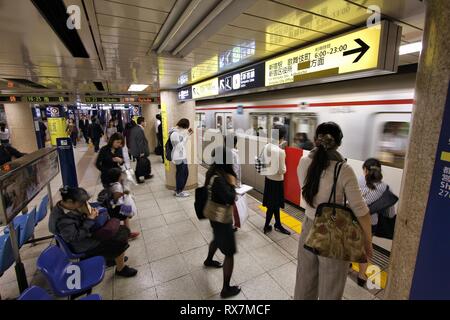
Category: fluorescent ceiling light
[138,87]
[410,48]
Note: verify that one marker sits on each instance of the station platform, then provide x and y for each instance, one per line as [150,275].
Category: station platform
[173,244]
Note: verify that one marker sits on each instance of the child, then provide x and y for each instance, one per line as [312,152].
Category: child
[122,203]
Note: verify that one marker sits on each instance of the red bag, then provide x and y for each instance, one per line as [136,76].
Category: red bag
[109,229]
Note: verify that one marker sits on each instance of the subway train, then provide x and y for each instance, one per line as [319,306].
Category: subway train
[374,114]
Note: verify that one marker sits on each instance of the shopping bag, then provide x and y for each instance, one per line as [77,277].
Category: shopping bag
[240,212]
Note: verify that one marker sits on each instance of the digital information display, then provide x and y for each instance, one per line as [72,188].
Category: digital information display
[102,100]
[33,99]
[206,88]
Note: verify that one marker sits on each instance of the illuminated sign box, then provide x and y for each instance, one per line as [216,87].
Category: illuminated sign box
[365,52]
[206,88]
[33,99]
[247,78]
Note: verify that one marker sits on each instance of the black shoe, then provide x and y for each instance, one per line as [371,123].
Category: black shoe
[361,282]
[212,263]
[282,230]
[230,292]
[148,177]
[267,229]
[127,272]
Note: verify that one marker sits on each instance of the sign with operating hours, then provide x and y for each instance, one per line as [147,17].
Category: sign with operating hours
[247,78]
[356,51]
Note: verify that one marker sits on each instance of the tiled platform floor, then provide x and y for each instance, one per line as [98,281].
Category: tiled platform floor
[173,244]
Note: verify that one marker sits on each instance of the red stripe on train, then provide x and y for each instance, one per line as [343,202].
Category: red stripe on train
[320,104]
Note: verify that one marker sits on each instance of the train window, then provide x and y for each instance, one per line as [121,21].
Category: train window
[283,120]
[393,143]
[259,125]
[200,118]
[224,122]
[303,128]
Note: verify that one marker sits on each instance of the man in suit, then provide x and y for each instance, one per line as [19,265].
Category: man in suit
[140,150]
[95,133]
[83,124]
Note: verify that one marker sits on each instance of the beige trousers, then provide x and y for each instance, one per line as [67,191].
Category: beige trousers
[318,277]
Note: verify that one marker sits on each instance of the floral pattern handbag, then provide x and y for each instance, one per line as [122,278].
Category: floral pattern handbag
[336,232]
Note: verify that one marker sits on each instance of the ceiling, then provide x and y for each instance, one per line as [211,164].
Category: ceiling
[155,42]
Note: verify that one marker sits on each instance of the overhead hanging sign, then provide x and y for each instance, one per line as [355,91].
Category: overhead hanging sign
[206,88]
[248,78]
[89,99]
[185,94]
[33,99]
[369,49]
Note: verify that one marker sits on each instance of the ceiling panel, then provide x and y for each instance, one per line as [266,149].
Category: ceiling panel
[128,11]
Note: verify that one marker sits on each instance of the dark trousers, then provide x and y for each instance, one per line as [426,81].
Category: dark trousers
[143,167]
[273,212]
[181,176]
[96,143]
[86,136]
[73,137]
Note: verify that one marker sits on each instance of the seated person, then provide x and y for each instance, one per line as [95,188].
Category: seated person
[72,219]
[119,191]
[8,153]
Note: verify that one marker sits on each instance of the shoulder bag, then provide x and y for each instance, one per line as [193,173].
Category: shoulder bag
[336,232]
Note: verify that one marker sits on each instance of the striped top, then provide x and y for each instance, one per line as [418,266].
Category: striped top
[372,195]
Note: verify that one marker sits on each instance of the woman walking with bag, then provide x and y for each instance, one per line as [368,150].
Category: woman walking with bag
[373,189]
[320,277]
[273,198]
[221,182]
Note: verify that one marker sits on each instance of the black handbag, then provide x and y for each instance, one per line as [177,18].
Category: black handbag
[387,200]
[385,227]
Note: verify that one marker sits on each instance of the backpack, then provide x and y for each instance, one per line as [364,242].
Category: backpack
[104,198]
[169,149]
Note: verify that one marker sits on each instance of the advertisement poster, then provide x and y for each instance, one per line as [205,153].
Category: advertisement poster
[19,187]
[429,275]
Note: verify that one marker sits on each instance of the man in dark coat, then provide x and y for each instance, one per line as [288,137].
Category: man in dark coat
[95,132]
[83,124]
[140,150]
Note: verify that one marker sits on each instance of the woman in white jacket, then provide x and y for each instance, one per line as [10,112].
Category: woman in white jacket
[179,137]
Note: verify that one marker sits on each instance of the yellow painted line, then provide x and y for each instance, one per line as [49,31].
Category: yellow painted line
[296,226]
[445,156]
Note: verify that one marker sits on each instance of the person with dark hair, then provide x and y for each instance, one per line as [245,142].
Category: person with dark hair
[372,188]
[320,277]
[273,198]
[110,156]
[159,136]
[118,190]
[95,133]
[83,124]
[126,134]
[221,181]
[73,219]
[72,131]
[301,141]
[9,153]
[140,150]
[179,136]
[110,129]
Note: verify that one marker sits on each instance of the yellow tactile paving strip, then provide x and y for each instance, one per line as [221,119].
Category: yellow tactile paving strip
[296,226]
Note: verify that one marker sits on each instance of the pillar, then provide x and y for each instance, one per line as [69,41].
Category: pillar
[21,125]
[175,111]
[149,112]
[414,217]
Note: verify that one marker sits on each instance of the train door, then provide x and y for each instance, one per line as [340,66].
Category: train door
[390,138]
[280,119]
[303,123]
[224,122]
[200,126]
